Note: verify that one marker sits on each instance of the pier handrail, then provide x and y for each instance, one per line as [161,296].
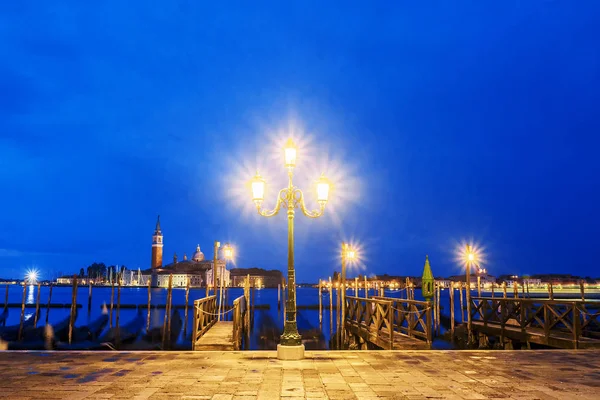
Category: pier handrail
[205,316]
[412,317]
[389,316]
[563,318]
[240,308]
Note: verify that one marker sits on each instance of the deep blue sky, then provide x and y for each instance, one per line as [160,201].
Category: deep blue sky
[439,122]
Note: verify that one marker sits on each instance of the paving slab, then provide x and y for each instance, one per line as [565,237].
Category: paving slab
[547,374]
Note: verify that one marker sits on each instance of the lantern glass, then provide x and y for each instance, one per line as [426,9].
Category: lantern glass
[290,153]
[323,190]
[258,188]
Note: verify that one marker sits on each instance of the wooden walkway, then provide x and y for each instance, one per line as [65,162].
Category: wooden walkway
[212,334]
[219,337]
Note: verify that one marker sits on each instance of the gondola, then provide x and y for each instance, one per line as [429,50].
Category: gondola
[60,329]
[90,331]
[154,338]
[113,338]
[11,333]
[3,316]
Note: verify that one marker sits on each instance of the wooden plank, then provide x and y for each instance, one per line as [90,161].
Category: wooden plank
[219,337]
[556,339]
[380,337]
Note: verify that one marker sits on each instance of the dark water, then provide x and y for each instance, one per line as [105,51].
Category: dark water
[267,324]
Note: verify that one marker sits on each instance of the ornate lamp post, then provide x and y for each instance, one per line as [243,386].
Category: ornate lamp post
[290,197]
[348,254]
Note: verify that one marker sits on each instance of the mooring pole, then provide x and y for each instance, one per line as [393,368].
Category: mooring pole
[37,306]
[48,305]
[149,299]
[22,310]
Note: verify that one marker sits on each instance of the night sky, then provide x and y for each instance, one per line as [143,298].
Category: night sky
[438,122]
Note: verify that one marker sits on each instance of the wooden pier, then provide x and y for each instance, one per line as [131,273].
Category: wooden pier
[564,324]
[388,323]
[226,332]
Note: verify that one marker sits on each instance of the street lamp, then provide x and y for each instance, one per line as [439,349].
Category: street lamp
[348,254]
[290,197]
[228,256]
[470,256]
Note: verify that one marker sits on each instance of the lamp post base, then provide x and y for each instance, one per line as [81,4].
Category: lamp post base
[289,353]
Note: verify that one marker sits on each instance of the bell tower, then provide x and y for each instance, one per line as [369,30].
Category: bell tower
[157,246]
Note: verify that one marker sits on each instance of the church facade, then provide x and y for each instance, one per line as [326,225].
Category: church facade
[197,271]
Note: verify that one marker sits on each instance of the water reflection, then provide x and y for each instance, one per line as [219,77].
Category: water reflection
[30,293]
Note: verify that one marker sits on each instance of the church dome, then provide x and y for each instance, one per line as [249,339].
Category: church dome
[198,255]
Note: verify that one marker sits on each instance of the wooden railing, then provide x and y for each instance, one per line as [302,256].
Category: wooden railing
[557,323]
[240,313]
[412,318]
[383,318]
[205,316]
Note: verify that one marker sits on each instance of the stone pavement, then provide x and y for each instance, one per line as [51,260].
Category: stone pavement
[526,375]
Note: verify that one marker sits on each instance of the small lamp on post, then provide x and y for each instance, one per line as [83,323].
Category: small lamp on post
[470,259]
[348,254]
[228,256]
[290,197]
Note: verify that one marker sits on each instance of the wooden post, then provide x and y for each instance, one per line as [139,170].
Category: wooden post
[551,287]
[356,286]
[439,296]
[48,305]
[118,302]
[330,308]
[504,290]
[22,310]
[37,306]
[320,304]
[434,307]
[462,304]
[337,312]
[187,299]
[452,311]
[527,283]
[493,284]
[73,308]
[366,288]
[582,289]
[6,298]
[478,286]
[170,306]
[515,290]
[149,299]
[247,295]
[207,287]
[112,300]
[523,289]
[89,296]
[165,320]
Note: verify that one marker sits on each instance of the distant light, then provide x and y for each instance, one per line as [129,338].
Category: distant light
[31,277]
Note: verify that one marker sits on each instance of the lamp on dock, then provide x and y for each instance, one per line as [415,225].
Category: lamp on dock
[348,254]
[470,258]
[290,197]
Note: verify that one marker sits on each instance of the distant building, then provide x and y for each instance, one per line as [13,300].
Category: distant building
[532,282]
[198,271]
[258,277]
[444,283]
